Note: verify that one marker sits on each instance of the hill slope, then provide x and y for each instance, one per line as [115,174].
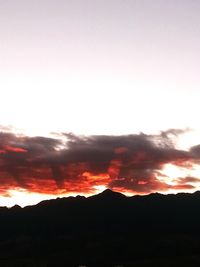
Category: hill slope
[104,230]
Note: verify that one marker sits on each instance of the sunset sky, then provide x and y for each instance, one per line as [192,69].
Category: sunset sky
[98,94]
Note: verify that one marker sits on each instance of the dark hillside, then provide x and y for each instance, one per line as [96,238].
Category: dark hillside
[104,230]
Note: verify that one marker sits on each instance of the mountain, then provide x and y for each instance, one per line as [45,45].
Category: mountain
[108,229]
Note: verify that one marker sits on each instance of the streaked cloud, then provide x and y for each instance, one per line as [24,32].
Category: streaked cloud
[68,163]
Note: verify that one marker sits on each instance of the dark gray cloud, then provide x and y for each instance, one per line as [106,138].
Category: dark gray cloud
[187,180]
[69,163]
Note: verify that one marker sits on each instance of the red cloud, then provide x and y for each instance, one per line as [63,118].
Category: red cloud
[15,149]
[78,164]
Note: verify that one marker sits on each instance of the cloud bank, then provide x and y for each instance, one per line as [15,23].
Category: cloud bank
[67,163]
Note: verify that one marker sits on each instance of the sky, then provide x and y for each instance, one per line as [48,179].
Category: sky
[87,83]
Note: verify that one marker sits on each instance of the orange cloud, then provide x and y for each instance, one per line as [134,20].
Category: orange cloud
[69,163]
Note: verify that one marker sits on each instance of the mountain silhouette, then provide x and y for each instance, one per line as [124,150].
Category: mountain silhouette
[108,194]
[107,229]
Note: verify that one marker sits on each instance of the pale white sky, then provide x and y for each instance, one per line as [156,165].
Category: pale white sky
[105,105]
[107,67]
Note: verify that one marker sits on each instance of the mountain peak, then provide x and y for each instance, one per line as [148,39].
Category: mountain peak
[16,207]
[108,193]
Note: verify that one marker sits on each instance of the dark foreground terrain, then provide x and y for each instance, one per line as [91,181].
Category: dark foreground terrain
[108,229]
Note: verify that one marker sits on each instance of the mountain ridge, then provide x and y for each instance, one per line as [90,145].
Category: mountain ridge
[107,229]
[107,193]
